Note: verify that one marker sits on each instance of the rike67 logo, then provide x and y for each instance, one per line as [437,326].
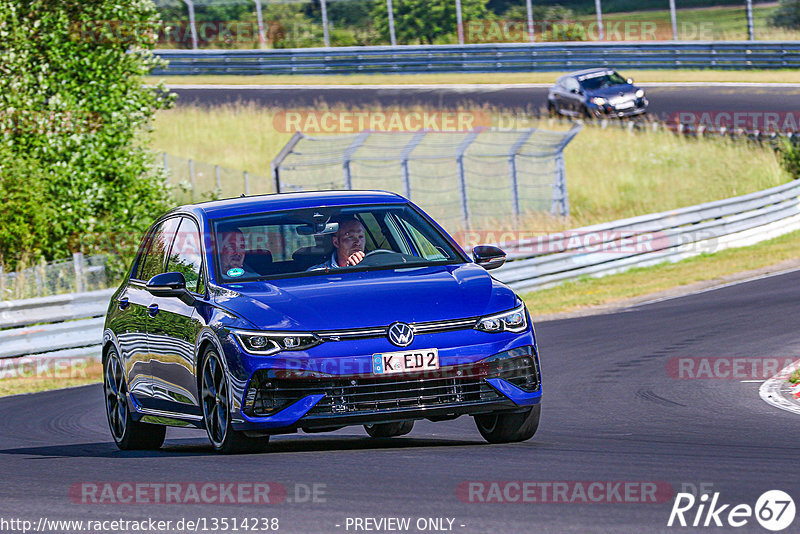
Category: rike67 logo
[774,510]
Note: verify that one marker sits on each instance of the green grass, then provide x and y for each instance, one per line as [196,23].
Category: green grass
[638,282]
[611,174]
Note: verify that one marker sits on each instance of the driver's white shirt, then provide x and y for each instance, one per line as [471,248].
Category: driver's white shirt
[332,263]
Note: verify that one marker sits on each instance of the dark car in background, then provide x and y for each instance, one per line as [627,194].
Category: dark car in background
[596,93]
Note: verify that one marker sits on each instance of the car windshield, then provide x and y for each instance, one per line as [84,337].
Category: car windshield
[600,81]
[312,241]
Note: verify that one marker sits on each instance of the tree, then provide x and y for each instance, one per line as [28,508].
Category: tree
[787,15]
[425,21]
[74,106]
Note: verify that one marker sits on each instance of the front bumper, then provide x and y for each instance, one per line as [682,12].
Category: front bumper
[278,402]
[608,110]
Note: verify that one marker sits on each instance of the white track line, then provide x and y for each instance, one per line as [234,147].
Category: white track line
[770,390]
[461,86]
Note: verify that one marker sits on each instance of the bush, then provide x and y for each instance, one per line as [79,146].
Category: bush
[787,15]
[27,216]
[789,153]
[75,111]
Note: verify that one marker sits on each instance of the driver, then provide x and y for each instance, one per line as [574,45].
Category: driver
[348,243]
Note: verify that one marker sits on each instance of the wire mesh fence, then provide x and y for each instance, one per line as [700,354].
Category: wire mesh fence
[195,181]
[75,275]
[464,180]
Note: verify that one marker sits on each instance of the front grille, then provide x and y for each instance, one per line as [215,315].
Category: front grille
[433,327]
[360,394]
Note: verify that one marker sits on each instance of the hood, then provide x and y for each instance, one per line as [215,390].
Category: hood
[367,299]
[625,89]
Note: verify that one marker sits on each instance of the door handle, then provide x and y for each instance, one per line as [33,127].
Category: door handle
[123,303]
[152,310]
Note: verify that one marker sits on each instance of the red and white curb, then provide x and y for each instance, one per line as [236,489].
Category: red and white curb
[781,393]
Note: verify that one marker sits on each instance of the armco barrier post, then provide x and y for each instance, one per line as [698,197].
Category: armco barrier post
[80,272]
[191,177]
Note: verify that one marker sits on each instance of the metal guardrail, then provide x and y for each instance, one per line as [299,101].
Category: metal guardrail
[651,239]
[61,326]
[506,57]
[71,325]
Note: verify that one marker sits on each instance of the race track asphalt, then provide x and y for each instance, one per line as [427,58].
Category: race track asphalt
[611,412]
[665,101]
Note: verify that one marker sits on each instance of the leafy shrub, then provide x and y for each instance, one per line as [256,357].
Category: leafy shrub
[787,15]
[27,217]
[75,110]
[789,153]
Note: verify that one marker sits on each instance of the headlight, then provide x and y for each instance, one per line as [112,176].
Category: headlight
[510,321]
[640,93]
[599,100]
[266,343]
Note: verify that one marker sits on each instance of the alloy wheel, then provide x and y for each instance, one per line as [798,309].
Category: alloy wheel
[116,393]
[215,398]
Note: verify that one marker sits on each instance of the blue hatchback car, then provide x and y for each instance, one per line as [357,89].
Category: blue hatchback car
[314,311]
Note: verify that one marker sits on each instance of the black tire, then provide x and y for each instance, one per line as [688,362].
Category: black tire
[389,430]
[552,111]
[128,434]
[215,400]
[587,115]
[509,427]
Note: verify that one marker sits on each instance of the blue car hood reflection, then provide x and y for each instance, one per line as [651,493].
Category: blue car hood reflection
[365,299]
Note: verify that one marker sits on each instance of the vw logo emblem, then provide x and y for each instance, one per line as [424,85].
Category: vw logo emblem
[400,334]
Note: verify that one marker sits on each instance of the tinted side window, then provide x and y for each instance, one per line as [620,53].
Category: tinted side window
[159,245]
[186,255]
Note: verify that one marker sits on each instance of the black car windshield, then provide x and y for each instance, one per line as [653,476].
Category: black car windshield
[320,240]
[601,81]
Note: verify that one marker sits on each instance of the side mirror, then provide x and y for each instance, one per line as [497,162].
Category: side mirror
[170,285]
[630,81]
[488,256]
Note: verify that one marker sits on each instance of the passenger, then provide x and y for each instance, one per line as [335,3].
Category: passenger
[231,254]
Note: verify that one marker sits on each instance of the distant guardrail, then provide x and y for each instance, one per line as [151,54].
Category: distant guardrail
[651,239]
[506,57]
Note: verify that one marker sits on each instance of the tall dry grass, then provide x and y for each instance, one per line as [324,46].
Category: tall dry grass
[611,173]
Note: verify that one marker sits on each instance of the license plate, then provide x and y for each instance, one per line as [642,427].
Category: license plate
[405,362]
[625,105]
